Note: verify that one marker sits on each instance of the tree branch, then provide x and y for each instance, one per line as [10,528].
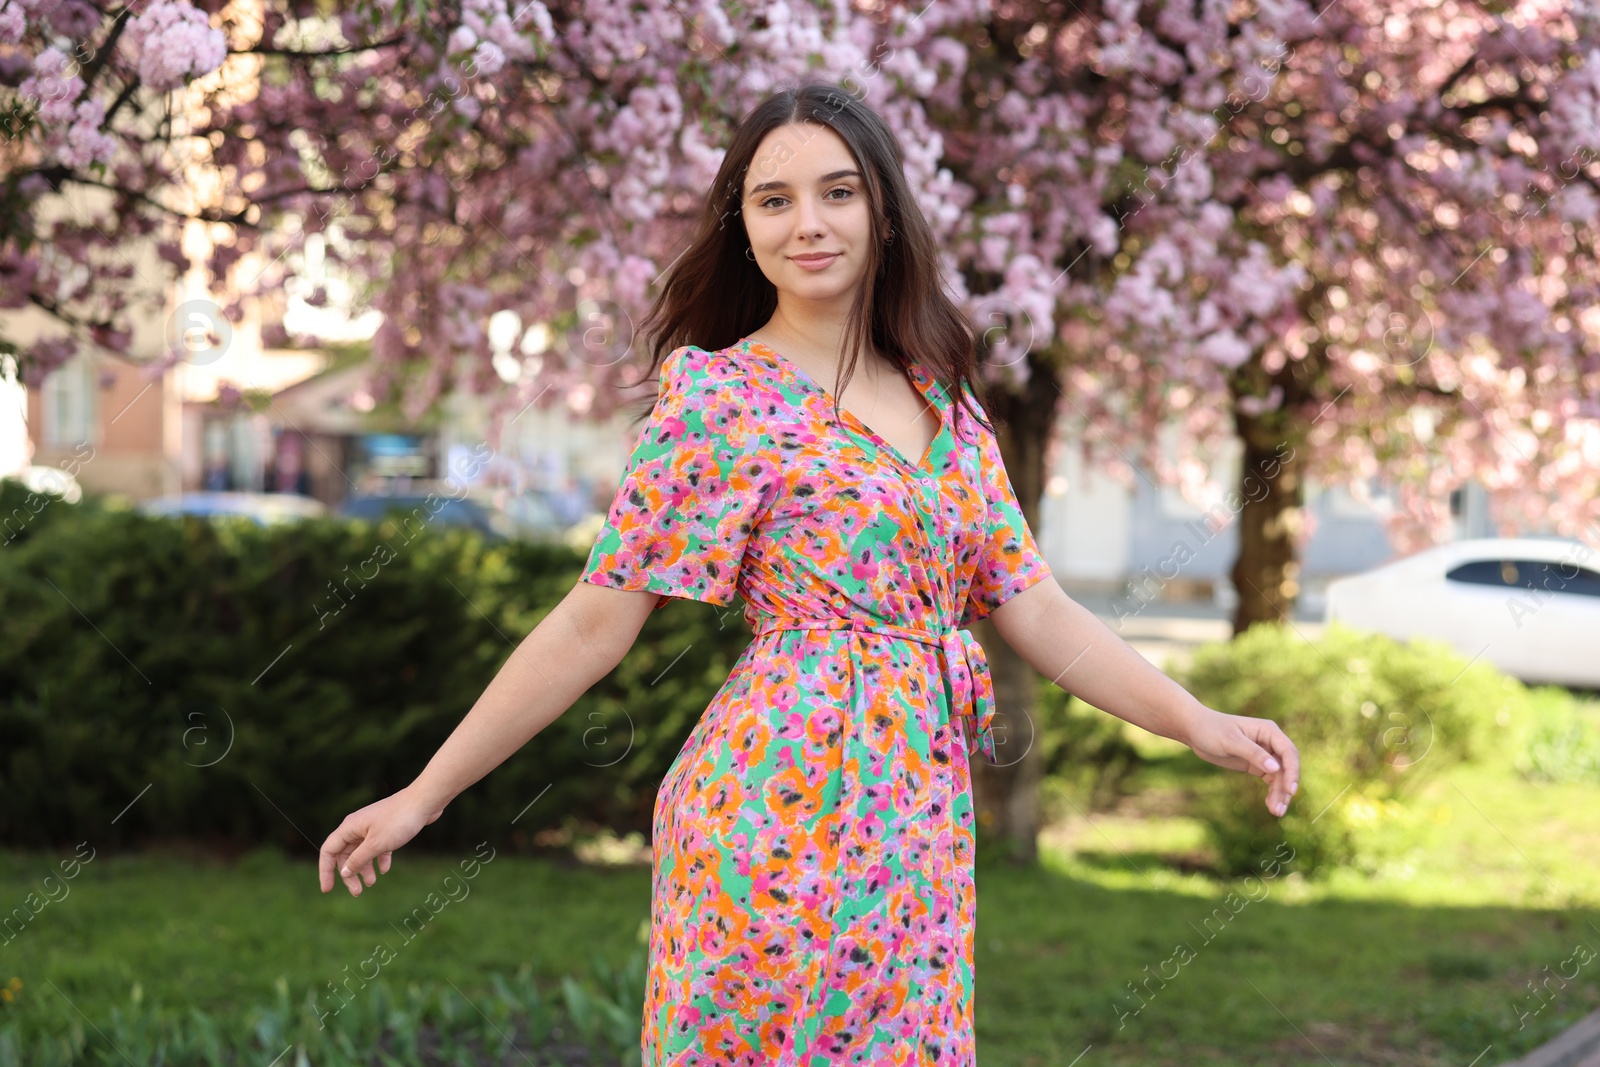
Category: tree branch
[116,105]
[297,53]
[103,56]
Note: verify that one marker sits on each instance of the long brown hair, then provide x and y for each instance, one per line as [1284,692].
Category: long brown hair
[714,295]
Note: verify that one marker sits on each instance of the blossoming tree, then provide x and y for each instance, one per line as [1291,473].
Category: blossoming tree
[1357,237]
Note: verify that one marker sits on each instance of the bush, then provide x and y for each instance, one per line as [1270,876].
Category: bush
[1083,747]
[24,514]
[1561,741]
[216,680]
[1371,717]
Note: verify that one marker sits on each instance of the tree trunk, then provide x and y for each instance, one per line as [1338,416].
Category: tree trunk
[1006,793]
[1266,573]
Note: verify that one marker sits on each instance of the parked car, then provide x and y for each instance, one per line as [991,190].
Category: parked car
[440,509]
[1528,605]
[263,508]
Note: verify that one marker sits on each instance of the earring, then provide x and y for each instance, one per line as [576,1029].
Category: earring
[749,253]
[890,239]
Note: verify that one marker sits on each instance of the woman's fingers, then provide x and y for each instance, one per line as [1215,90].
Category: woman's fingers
[363,845]
[335,852]
[1277,762]
[1245,743]
[358,867]
[348,853]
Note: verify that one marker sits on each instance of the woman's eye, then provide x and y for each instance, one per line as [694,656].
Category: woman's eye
[846,190]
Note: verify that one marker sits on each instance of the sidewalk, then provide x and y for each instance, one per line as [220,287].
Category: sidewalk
[1161,631]
[1578,1047]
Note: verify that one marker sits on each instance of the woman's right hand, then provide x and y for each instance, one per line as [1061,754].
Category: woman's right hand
[372,833]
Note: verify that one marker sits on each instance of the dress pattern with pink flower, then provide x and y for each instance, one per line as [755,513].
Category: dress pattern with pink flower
[813,899]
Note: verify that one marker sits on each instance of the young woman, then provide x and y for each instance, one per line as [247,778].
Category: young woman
[813,895]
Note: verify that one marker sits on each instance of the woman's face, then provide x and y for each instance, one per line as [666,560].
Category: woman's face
[805,195]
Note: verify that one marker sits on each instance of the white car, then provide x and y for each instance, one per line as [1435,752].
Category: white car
[1528,605]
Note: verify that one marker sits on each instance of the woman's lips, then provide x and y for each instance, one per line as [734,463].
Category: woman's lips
[819,263]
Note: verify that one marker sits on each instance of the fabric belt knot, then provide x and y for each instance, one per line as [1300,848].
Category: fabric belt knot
[966,668]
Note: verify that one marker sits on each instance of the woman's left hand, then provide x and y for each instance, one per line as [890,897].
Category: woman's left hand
[1243,743]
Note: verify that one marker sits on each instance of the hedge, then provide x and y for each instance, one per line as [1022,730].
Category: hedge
[215,680]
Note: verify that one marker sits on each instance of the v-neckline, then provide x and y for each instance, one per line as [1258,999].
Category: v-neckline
[919,378]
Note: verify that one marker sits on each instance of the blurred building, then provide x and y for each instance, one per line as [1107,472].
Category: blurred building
[1098,532]
[120,429]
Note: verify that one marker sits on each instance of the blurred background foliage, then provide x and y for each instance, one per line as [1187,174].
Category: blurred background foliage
[203,679]
[262,682]
[220,664]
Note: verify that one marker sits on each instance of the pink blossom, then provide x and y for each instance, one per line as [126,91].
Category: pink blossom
[12,24]
[172,41]
[1142,232]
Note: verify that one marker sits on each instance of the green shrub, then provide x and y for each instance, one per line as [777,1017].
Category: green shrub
[218,680]
[25,514]
[1561,740]
[1083,747]
[1371,717]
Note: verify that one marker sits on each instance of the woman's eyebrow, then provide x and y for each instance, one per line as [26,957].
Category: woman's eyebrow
[832,176]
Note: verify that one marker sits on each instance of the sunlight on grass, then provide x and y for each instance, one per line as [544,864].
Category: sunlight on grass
[1492,840]
[1120,940]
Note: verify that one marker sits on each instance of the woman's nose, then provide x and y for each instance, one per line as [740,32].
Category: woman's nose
[808,217]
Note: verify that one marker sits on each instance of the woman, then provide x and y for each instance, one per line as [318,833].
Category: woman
[813,893]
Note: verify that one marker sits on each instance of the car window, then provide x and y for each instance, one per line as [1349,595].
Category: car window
[1556,577]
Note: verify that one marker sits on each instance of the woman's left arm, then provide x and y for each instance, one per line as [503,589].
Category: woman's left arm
[1065,642]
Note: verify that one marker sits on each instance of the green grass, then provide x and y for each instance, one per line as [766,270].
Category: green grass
[217,936]
[1284,978]
[1427,963]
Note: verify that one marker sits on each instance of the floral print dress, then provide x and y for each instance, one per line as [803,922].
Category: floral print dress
[812,892]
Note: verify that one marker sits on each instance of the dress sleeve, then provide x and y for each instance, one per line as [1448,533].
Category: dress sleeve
[1008,558]
[695,485]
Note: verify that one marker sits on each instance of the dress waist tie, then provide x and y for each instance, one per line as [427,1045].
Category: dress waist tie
[966,668]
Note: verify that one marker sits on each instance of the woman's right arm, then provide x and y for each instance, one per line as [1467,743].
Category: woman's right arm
[571,649]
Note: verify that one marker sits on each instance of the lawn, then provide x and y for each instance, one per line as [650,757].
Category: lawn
[1108,947]
[1115,949]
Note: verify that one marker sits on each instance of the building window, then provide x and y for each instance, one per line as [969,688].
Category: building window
[70,398]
